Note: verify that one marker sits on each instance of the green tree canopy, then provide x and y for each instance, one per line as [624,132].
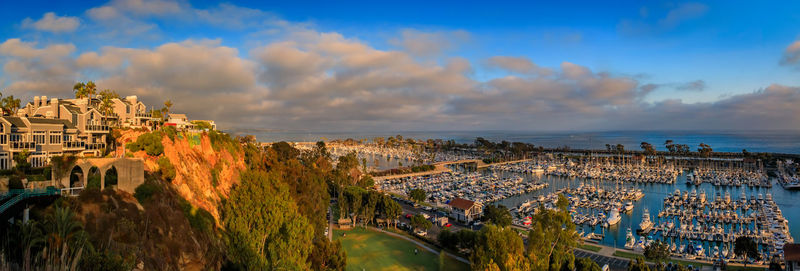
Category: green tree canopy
[265,229]
[497,214]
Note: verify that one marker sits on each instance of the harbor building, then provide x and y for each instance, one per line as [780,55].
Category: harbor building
[466,210]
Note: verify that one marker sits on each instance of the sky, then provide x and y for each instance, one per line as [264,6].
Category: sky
[420,65]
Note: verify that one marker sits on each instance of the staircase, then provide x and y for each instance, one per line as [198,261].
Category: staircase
[18,195]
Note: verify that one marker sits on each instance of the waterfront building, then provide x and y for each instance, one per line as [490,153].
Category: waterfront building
[465,210]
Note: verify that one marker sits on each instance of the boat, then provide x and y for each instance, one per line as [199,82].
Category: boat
[646,224]
[613,217]
[630,240]
[628,206]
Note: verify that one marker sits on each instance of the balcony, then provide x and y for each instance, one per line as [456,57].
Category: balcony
[95,146]
[144,115]
[22,145]
[97,128]
[73,145]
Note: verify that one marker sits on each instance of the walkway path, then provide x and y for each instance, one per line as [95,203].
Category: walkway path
[460,259]
[441,167]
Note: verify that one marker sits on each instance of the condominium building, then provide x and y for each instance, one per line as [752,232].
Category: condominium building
[46,128]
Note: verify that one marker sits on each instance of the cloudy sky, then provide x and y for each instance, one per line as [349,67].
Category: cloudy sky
[358,66]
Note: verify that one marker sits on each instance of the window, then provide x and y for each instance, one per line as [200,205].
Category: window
[38,137]
[55,137]
[5,163]
[3,139]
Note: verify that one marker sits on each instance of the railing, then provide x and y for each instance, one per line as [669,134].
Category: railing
[97,128]
[95,146]
[73,145]
[24,194]
[71,192]
[144,115]
[22,145]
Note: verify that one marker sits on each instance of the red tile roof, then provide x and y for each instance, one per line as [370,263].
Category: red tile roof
[462,204]
[791,252]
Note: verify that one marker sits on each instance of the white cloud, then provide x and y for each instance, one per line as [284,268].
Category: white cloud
[52,23]
[425,44]
[791,55]
[696,86]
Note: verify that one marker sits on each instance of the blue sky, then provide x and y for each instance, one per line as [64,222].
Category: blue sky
[704,54]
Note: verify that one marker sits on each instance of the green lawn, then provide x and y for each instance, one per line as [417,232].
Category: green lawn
[630,255]
[590,247]
[368,250]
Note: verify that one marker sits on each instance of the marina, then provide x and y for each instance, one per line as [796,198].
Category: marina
[697,221]
[686,225]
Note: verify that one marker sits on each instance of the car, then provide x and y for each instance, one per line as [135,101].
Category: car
[448,225]
[408,216]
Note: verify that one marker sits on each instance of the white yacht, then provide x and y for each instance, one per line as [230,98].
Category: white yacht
[628,206]
[630,240]
[613,217]
[646,224]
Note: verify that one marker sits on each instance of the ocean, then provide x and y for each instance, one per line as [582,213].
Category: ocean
[727,141]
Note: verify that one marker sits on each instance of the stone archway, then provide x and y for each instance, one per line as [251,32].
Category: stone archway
[129,173]
[77,177]
[93,178]
[110,178]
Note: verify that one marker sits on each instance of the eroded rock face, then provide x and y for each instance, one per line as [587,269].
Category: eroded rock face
[203,175]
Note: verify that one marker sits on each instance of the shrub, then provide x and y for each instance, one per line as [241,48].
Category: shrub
[199,218]
[145,191]
[166,168]
[149,142]
[170,132]
[15,182]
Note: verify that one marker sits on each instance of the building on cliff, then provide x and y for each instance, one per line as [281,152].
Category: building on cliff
[45,128]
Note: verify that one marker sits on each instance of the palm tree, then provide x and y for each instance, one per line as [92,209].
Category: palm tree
[167,106]
[80,89]
[10,105]
[91,89]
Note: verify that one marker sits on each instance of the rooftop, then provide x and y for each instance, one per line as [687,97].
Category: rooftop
[462,204]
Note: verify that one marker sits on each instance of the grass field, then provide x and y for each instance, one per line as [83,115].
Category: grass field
[590,247]
[368,250]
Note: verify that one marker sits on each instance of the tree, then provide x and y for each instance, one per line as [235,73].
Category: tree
[353,202]
[552,237]
[167,107]
[648,148]
[586,264]
[657,251]
[670,145]
[501,247]
[80,90]
[390,209]
[419,222]
[417,194]
[746,247]
[497,214]
[328,255]
[705,150]
[106,101]
[264,228]
[638,265]
[10,105]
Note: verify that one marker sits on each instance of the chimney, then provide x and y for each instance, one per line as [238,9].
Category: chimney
[35,103]
[132,99]
[44,100]
[56,108]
